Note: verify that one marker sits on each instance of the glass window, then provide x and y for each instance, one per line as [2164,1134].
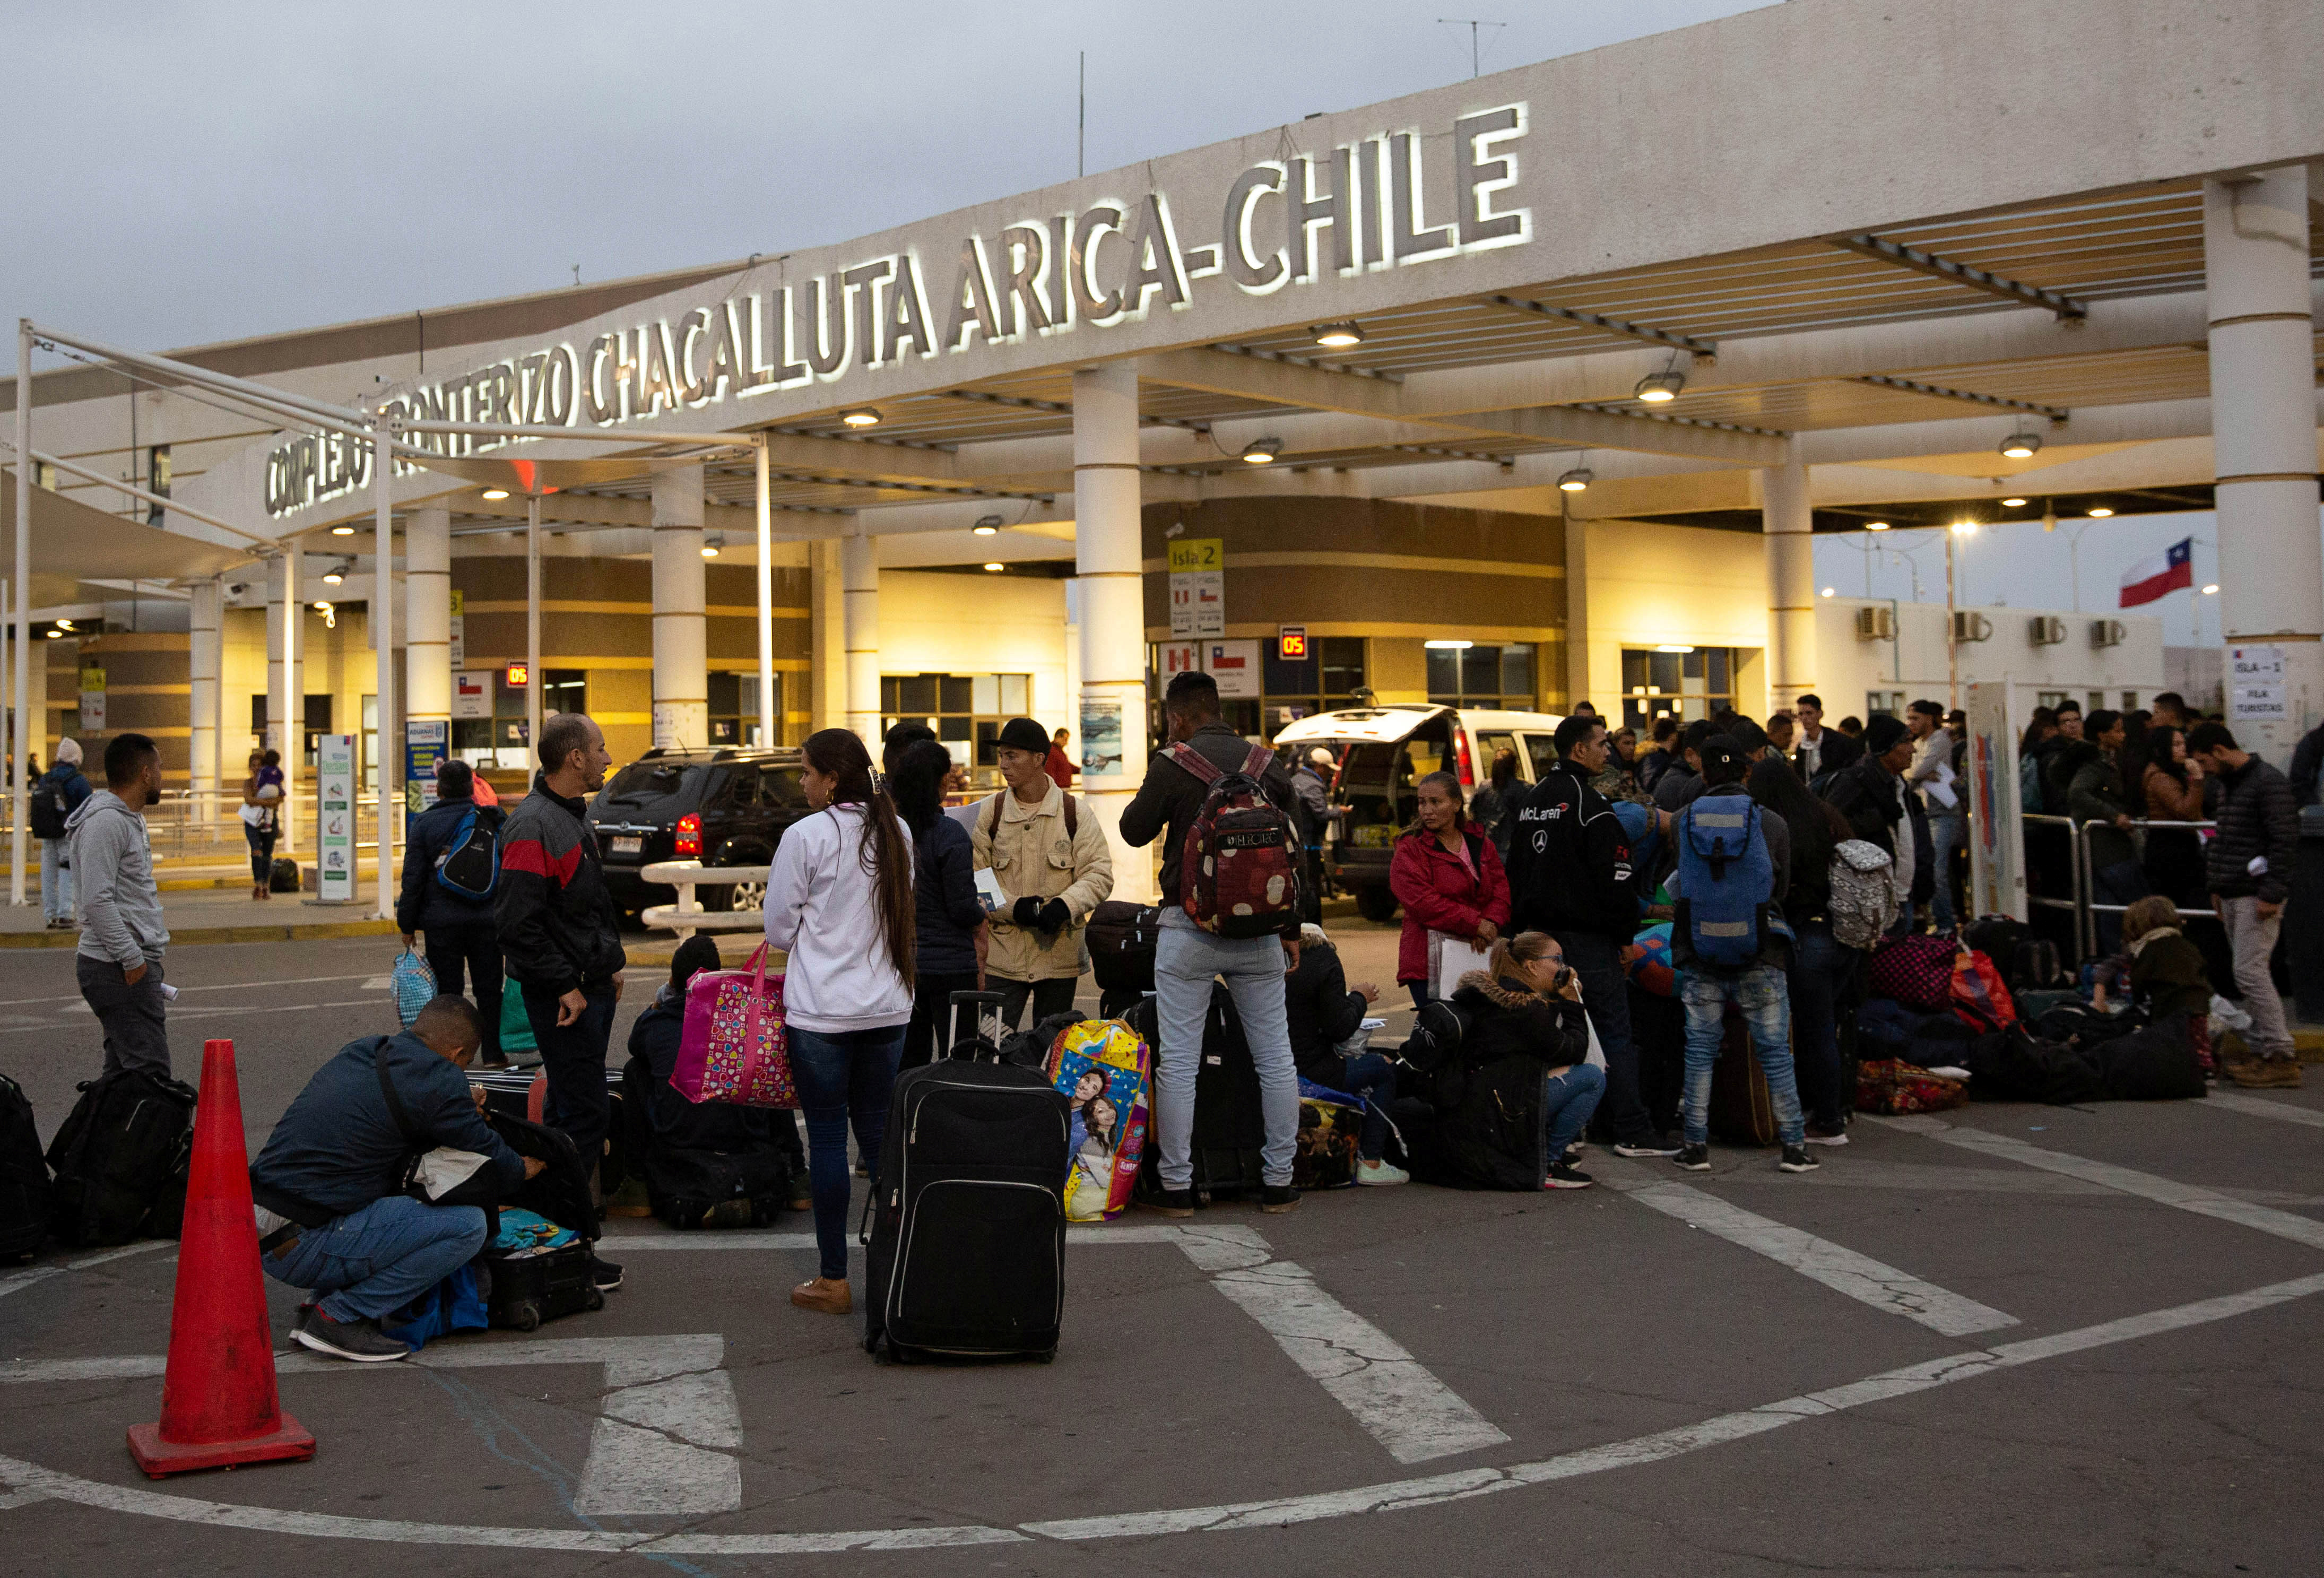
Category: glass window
[966,710]
[2130,701]
[1482,676]
[1542,750]
[734,709]
[1328,678]
[563,690]
[1889,701]
[1686,686]
[1517,671]
[779,786]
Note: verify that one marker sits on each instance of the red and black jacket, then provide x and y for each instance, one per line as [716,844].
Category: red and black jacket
[559,929]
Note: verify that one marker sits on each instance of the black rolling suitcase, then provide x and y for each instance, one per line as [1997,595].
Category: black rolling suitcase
[966,1223]
[24,1188]
[120,1160]
[1229,1128]
[523,1287]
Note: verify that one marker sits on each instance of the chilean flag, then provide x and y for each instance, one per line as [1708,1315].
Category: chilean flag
[2166,572]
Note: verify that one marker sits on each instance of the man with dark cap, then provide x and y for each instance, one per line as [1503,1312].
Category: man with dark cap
[1683,780]
[1749,738]
[1053,868]
[669,1122]
[1871,794]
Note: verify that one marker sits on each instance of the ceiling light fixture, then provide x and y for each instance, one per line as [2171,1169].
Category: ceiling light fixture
[332,578]
[1965,527]
[55,634]
[2020,446]
[862,416]
[322,608]
[995,565]
[343,531]
[1878,526]
[1576,481]
[2100,512]
[1655,388]
[1448,646]
[1674,647]
[1340,335]
[2012,504]
[497,493]
[1828,591]
[1262,451]
[987,525]
[2212,590]
[712,543]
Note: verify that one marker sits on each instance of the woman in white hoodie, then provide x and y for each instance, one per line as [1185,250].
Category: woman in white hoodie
[839,902]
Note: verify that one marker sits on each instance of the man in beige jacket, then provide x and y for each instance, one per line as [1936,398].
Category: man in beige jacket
[1053,867]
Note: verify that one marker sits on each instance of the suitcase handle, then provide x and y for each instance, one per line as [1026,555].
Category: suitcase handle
[987,1005]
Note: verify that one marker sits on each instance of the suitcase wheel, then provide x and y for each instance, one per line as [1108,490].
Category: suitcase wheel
[524,1315]
[1049,1357]
[593,1299]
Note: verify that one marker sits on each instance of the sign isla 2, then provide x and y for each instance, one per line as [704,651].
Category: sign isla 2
[1198,587]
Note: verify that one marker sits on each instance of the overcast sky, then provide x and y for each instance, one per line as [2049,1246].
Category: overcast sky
[200,172]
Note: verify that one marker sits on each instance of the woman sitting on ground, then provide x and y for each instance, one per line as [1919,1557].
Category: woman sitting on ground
[1527,1004]
[1325,1017]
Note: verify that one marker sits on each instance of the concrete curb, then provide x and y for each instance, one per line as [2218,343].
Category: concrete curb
[198,935]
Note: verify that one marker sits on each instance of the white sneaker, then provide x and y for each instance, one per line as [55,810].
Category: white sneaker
[1380,1172]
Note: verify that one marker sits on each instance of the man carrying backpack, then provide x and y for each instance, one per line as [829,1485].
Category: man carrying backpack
[57,795]
[1234,914]
[1730,946]
[451,869]
[1053,868]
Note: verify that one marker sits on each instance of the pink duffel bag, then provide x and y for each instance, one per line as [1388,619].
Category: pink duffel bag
[733,1047]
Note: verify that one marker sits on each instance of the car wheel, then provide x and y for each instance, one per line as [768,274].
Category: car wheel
[1376,903]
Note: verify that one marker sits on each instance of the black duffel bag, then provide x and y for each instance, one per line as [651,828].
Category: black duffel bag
[1121,938]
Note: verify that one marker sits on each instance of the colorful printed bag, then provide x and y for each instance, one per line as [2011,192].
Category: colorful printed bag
[1916,971]
[1104,1070]
[733,1047]
[414,985]
[1893,1086]
[1981,998]
[1328,1130]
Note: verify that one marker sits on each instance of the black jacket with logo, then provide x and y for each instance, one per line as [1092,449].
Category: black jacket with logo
[1569,865]
[558,926]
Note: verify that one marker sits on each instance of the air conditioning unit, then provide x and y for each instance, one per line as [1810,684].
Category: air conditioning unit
[1970,626]
[1875,624]
[2106,633]
[2046,630]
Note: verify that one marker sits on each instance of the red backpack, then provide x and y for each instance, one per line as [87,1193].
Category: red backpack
[1238,873]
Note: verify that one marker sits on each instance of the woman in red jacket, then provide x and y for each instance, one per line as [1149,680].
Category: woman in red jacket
[1449,880]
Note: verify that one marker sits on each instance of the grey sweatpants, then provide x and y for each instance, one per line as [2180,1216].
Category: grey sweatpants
[2253,941]
[136,1035]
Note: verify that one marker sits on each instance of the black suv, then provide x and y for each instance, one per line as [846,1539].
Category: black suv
[724,807]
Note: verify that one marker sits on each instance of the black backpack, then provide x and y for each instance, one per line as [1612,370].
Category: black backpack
[121,1161]
[48,819]
[25,1188]
[470,865]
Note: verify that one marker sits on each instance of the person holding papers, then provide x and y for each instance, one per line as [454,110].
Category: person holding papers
[1455,896]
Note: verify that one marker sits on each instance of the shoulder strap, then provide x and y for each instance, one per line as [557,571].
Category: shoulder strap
[993,815]
[1204,770]
[1258,761]
[395,1107]
[1073,818]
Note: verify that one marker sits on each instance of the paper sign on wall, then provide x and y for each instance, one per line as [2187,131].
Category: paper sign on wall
[1234,665]
[1198,586]
[459,653]
[471,693]
[2256,691]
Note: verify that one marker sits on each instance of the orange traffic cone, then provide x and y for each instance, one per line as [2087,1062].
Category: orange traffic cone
[219,1402]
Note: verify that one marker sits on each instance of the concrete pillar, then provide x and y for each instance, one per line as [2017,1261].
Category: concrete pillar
[286,704]
[2264,448]
[1110,731]
[206,655]
[859,582]
[681,674]
[428,606]
[826,704]
[1789,529]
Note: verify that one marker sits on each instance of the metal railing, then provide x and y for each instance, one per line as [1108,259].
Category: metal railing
[2084,905]
[688,917]
[195,827]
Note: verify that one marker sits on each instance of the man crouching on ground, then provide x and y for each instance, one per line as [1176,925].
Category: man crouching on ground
[332,1215]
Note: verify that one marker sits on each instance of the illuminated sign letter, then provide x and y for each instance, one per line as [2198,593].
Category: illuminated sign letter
[907,318]
[1095,225]
[599,403]
[1478,174]
[1256,275]
[1024,256]
[971,304]
[656,390]
[1153,261]
[863,282]
[693,388]
[1414,240]
[827,325]
[1334,208]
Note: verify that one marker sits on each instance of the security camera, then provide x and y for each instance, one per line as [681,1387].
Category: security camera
[236,588]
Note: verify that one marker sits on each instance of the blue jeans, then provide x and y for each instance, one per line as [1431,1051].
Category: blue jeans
[1759,991]
[1819,972]
[1187,960]
[850,1075]
[1371,1076]
[375,1259]
[1597,959]
[1565,1110]
[573,1061]
[262,852]
[56,881]
[1945,832]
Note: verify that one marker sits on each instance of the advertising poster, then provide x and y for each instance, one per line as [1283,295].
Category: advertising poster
[92,701]
[1101,737]
[1997,875]
[426,742]
[459,634]
[334,830]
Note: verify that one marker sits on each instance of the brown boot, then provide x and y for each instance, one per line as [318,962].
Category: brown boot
[2251,1072]
[827,1295]
[2283,1072]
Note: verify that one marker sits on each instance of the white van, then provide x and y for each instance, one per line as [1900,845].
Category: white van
[1384,751]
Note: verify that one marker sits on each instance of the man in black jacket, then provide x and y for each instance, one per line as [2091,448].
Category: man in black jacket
[329,1187]
[1871,794]
[561,934]
[1187,959]
[1821,750]
[462,937]
[1571,876]
[2248,866]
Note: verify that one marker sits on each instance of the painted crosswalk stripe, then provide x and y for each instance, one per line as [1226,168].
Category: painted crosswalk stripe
[2124,1180]
[2260,1107]
[1843,1271]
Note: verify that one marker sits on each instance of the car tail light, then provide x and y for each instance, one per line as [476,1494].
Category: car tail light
[689,837]
[1460,751]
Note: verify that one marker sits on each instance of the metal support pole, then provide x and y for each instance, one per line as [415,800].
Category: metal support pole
[767,715]
[531,629]
[382,478]
[17,801]
[1952,643]
[294,692]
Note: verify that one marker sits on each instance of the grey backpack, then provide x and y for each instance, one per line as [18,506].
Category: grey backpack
[1863,895]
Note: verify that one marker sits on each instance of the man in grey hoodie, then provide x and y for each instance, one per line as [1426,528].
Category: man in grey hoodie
[122,935]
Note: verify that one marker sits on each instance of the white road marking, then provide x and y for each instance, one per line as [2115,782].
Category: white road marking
[22,1279]
[1843,1271]
[17,1281]
[1393,1395]
[2125,1180]
[32,1481]
[378,983]
[661,1446]
[2260,1107]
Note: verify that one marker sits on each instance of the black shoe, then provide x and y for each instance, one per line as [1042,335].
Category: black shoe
[1564,1175]
[1649,1147]
[1172,1202]
[1276,1199]
[1694,1158]
[359,1340]
[1798,1159]
[1821,1134]
[603,1274]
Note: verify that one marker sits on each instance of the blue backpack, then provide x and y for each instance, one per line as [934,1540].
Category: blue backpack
[470,865]
[1726,882]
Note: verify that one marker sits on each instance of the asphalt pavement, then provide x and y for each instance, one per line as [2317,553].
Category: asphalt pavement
[2008,1338]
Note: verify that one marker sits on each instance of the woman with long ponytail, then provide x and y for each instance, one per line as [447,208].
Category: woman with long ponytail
[839,901]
